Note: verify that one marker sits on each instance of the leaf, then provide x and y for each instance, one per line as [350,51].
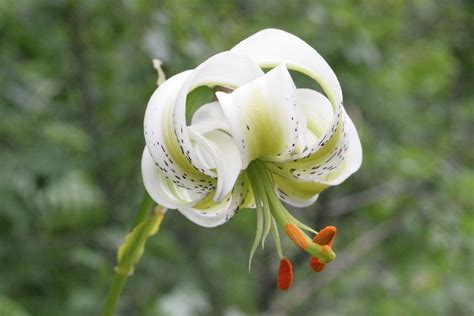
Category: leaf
[132,249]
[11,308]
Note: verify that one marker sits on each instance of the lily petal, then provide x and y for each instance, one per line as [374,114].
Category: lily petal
[317,110]
[162,143]
[338,156]
[207,213]
[224,154]
[353,156]
[264,107]
[271,47]
[166,133]
[225,69]
[297,193]
[209,117]
[162,190]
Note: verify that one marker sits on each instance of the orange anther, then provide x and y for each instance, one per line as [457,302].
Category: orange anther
[285,274]
[316,265]
[296,235]
[325,236]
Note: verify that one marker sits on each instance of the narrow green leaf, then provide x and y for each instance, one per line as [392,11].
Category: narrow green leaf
[132,249]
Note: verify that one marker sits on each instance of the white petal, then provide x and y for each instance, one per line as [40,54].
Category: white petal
[272,47]
[203,154]
[262,116]
[163,144]
[297,193]
[339,151]
[302,133]
[210,214]
[353,157]
[338,158]
[162,190]
[225,69]
[317,111]
[166,133]
[221,149]
[209,117]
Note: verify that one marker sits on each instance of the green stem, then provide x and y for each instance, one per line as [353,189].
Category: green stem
[145,207]
[119,280]
[114,294]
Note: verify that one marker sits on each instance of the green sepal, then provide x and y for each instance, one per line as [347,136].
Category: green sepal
[132,249]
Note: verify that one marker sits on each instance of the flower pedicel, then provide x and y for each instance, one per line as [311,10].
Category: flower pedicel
[261,142]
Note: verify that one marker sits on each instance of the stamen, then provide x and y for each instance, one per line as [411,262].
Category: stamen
[267,219]
[296,236]
[325,238]
[285,274]
[316,265]
[268,203]
[276,238]
[259,230]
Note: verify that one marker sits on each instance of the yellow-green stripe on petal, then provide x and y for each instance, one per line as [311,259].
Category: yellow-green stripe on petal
[262,116]
[297,193]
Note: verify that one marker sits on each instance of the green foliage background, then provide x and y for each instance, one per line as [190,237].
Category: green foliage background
[75,77]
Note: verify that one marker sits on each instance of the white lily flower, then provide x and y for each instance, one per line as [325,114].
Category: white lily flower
[263,141]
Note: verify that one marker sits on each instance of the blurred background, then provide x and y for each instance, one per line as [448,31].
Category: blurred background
[75,78]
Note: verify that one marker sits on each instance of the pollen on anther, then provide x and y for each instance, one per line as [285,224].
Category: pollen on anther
[316,265]
[325,236]
[285,274]
[296,236]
